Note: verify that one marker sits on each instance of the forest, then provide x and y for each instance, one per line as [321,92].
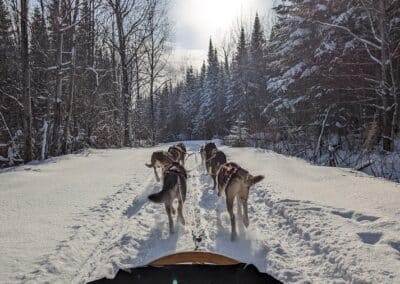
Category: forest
[322,83]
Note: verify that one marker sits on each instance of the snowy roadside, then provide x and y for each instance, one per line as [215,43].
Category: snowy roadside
[79,218]
[43,206]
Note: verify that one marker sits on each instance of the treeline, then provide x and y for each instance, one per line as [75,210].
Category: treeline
[322,84]
[326,79]
[73,74]
[229,88]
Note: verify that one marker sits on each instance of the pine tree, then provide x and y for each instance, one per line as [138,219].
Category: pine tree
[239,89]
[257,76]
[206,118]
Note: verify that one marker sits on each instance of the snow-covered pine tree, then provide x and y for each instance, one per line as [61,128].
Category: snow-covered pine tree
[239,88]
[206,118]
[256,97]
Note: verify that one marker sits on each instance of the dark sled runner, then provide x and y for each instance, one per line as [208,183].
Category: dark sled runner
[192,268]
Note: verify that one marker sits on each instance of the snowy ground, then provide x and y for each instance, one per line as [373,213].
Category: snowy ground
[79,217]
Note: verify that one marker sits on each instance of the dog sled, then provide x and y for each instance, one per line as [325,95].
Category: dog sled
[191,267]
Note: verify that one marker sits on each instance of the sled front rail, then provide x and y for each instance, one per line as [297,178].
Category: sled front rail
[192,268]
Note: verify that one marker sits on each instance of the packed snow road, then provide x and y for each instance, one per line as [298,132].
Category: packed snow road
[80,217]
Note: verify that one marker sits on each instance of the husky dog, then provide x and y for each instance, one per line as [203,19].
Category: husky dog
[217,159]
[236,182]
[206,154]
[174,187]
[178,153]
[182,146]
[160,159]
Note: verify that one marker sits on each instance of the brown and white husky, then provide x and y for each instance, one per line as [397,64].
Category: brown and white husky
[160,159]
[236,183]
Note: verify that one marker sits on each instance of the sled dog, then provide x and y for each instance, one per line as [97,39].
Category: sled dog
[206,154]
[183,147]
[217,159]
[236,182]
[160,159]
[178,152]
[174,187]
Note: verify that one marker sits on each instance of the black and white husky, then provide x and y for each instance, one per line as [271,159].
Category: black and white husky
[174,187]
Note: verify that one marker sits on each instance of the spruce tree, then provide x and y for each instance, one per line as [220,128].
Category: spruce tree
[257,76]
[237,99]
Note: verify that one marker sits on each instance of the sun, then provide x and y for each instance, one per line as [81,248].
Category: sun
[213,15]
[196,21]
[220,13]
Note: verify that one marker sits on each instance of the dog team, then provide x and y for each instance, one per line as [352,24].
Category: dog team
[228,177]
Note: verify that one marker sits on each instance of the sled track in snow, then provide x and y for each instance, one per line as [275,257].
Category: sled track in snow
[306,244]
[141,233]
[292,240]
[101,229]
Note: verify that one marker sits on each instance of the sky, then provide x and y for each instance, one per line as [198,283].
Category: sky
[195,21]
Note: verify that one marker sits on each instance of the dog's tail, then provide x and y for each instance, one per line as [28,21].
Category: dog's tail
[159,197]
[253,180]
[149,165]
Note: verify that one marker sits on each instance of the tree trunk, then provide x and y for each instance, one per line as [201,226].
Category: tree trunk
[125,79]
[70,101]
[58,93]
[26,81]
[387,129]
[153,129]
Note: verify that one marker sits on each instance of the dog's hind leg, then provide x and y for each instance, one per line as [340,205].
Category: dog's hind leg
[163,171]
[229,205]
[215,181]
[168,208]
[245,211]
[180,213]
[156,174]
[239,207]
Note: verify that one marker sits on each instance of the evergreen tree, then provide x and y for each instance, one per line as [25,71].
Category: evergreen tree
[239,89]
[257,76]
[206,118]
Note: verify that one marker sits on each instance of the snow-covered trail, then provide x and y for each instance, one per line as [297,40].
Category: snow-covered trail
[103,220]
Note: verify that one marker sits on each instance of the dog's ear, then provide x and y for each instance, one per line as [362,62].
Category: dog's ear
[253,180]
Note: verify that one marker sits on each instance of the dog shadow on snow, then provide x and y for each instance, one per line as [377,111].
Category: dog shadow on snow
[158,244]
[141,200]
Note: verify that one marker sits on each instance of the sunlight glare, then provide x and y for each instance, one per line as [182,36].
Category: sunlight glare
[216,15]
